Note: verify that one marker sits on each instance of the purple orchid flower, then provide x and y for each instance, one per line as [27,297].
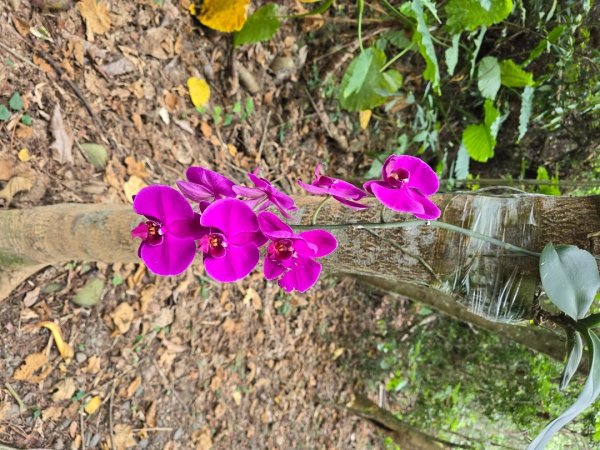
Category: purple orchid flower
[205,186]
[341,190]
[407,183]
[264,194]
[231,246]
[290,256]
[168,235]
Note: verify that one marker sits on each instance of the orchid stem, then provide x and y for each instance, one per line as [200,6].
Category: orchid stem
[412,223]
[313,219]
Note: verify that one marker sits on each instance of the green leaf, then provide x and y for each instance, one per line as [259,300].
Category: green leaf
[423,39]
[360,70]
[570,278]
[461,167]
[26,120]
[491,117]
[16,102]
[488,77]
[452,54]
[470,14]
[513,76]
[588,395]
[478,41]
[260,26]
[478,142]
[365,86]
[95,154]
[543,45]
[574,359]
[90,293]
[542,175]
[525,113]
[4,113]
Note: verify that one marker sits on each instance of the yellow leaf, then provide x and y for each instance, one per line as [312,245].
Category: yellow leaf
[24,155]
[364,117]
[91,406]
[224,15]
[199,91]
[65,350]
[96,17]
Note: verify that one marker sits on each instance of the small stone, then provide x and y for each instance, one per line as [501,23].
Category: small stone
[95,440]
[143,443]
[178,434]
[80,357]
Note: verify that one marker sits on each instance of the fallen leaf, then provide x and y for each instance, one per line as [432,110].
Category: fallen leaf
[32,364]
[24,155]
[206,129]
[95,154]
[151,415]
[31,297]
[132,186]
[122,316]
[199,91]
[96,17]
[93,365]
[135,167]
[364,117]
[63,138]
[52,413]
[14,186]
[64,389]
[123,437]
[224,15]
[92,405]
[90,293]
[204,442]
[133,387]
[65,350]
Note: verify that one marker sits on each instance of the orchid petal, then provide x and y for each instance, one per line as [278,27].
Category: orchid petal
[324,242]
[302,277]
[422,177]
[398,199]
[231,216]
[172,257]
[272,269]
[273,227]
[163,203]
[237,262]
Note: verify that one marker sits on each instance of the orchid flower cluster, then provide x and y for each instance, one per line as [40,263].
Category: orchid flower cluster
[229,223]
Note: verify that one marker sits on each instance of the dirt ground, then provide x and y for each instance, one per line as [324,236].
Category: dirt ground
[177,363]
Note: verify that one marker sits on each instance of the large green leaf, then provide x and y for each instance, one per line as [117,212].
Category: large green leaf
[576,346]
[423,39]
[570,278]
[260,26]
[552,189]
[364,86]
[588,395]
[470,14]
[513,76]
[488,77]
[478,142]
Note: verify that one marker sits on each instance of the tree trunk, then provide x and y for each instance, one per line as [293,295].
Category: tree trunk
[459,274]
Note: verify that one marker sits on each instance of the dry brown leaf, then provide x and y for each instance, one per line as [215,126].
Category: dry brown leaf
[133,386]
[132,186]
[52,413]
[64,389]
[136,167]
[33,363]
[252,295]
[93,365]
[151,415]
[14,186]
[204,442]
[7,167]
[123,437]
[229,326]
[206,129]
[122,316]
[65,350]
[96,17]
[63,138]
